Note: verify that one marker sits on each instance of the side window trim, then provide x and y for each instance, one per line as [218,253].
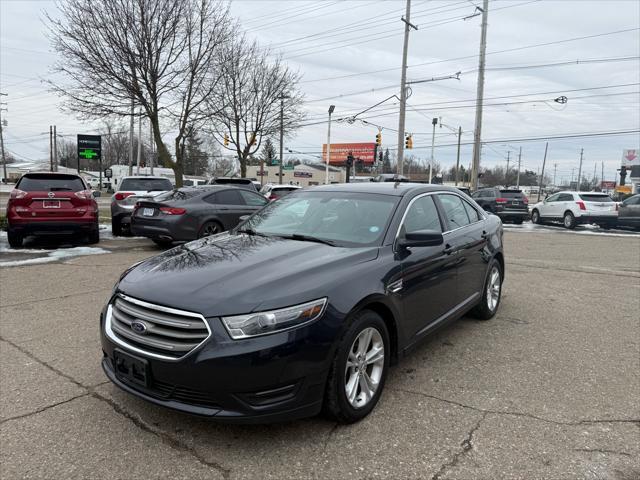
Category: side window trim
[406,211]
[481,216]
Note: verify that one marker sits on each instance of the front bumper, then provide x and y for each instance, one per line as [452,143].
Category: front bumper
[259,380]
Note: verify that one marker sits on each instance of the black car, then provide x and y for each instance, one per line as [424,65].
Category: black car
[303,305]
[508,204]
[193,212]
[629,213]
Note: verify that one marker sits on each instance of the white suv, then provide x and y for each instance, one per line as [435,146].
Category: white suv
[573,208]
[130,191]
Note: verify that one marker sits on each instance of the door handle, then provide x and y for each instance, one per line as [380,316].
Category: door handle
[484,235]
[448,249]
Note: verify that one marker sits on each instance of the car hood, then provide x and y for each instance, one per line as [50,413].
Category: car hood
[235,274]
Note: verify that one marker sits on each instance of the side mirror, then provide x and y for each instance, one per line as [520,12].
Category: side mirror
[421,238]
[96,193]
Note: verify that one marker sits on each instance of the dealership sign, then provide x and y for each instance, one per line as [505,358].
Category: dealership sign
[365,152]
[90,147]
[607,185]
[630,158]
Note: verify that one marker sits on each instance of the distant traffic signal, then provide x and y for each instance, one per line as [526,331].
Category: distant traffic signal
[408,144]
[226,140]
[379,139]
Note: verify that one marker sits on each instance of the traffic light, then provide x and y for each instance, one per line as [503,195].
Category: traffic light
[408,144]
[379,139]
[226,140]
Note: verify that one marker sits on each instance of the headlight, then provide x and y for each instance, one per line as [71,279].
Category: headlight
[263,323]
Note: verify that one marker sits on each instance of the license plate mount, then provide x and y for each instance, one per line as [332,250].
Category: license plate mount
[147,212]
[51,204]
[131,369]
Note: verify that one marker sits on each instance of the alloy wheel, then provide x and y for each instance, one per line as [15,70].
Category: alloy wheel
[568,220]
[493,289]
[210,229]
[365,365]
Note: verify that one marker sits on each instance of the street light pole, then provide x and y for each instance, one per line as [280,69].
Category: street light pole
[458,155]
[434,122]
[403,86]
[477,134]
[326,168]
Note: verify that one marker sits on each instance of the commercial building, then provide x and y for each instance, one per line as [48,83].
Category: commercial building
[304,174]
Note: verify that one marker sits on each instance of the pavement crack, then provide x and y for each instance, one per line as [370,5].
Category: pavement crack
[85,292]
[164,437]
[610,273]
[520,414]
[43,409]
[329,435]
[601,450]
[467,445]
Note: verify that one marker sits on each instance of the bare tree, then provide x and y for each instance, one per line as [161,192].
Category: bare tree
[247,101]
[156,53]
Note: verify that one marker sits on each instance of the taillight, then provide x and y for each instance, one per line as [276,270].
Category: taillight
[85,194]
[123,195]
[173,211]
[581,205]
[525,200]
[501,200]
[15,193]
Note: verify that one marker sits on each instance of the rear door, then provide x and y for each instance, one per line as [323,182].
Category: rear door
[465,237]
[52,197]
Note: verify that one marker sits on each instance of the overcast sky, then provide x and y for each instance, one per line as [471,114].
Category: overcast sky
[361,43]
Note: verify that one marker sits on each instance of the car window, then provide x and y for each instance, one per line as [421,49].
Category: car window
[632,201]
[511,194]
[471,212]
[226,197]
[422,215]
[179,194]
[553,198]
[593,197]
[50,183]
[565,197]
[146,184]
[253,199]
[454,210]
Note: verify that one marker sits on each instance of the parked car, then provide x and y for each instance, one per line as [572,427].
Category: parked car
[193,212]
[305,303]
[273,192]
[576,208]
[130,191]
[629,212]
[390,177]
[236,182]
[466,190]
[508,204]
[51,204]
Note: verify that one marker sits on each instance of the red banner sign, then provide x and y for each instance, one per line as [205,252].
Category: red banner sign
[608,185]
[360,151]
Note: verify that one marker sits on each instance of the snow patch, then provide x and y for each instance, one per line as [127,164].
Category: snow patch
[54,255]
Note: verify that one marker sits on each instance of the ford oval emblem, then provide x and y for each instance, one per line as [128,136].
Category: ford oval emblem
[51,194]
[138,326]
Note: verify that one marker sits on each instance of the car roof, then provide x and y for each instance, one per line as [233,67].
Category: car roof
[285,185]
[146,177]
[398,189]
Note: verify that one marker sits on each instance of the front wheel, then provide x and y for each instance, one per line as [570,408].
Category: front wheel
[491,294]
[569,221]
[535,217]
[359,370]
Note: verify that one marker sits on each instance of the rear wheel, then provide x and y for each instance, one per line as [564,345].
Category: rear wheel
[210,228]
[359,369]
[518,221]
[94,235]
[491,294]
[14,238]
[569,221]
[116,227]
[535,217]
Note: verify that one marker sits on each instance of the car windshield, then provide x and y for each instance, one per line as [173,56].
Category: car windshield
[594,197]
[50,183]
[146,184]
[340,218]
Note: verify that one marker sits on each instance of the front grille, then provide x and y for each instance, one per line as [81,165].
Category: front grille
[183,394]
[155,330]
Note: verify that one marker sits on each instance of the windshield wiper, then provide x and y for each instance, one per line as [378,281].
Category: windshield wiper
[308,238]
[251,231]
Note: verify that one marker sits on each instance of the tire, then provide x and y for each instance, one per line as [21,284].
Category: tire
[210,228]
[14,238]
[568,220]
[94,236]
[535,217]
[488,307]
[162,243]
[336,403]
[116,227]
[518,221]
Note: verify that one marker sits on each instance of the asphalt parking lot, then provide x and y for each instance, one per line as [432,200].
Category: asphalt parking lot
[550,388]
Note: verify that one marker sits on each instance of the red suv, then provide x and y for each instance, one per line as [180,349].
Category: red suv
[51,204]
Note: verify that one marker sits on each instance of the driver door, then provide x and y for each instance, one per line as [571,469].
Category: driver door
[428,273]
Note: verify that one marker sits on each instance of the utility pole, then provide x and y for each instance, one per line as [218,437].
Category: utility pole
[55,149]
[506,173]
[152,146]
[458,155]
[519,163]
[139,141]
[477,133]
[594,173]
[403,85]
[602,176]
[130,141]
[434,122]
[50,148]
[544,161]
[555,168]
[5,177]
[326,168]
[282,97]
[580,169]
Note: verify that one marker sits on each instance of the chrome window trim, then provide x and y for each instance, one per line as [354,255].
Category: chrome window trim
[112,336]
[481,214]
